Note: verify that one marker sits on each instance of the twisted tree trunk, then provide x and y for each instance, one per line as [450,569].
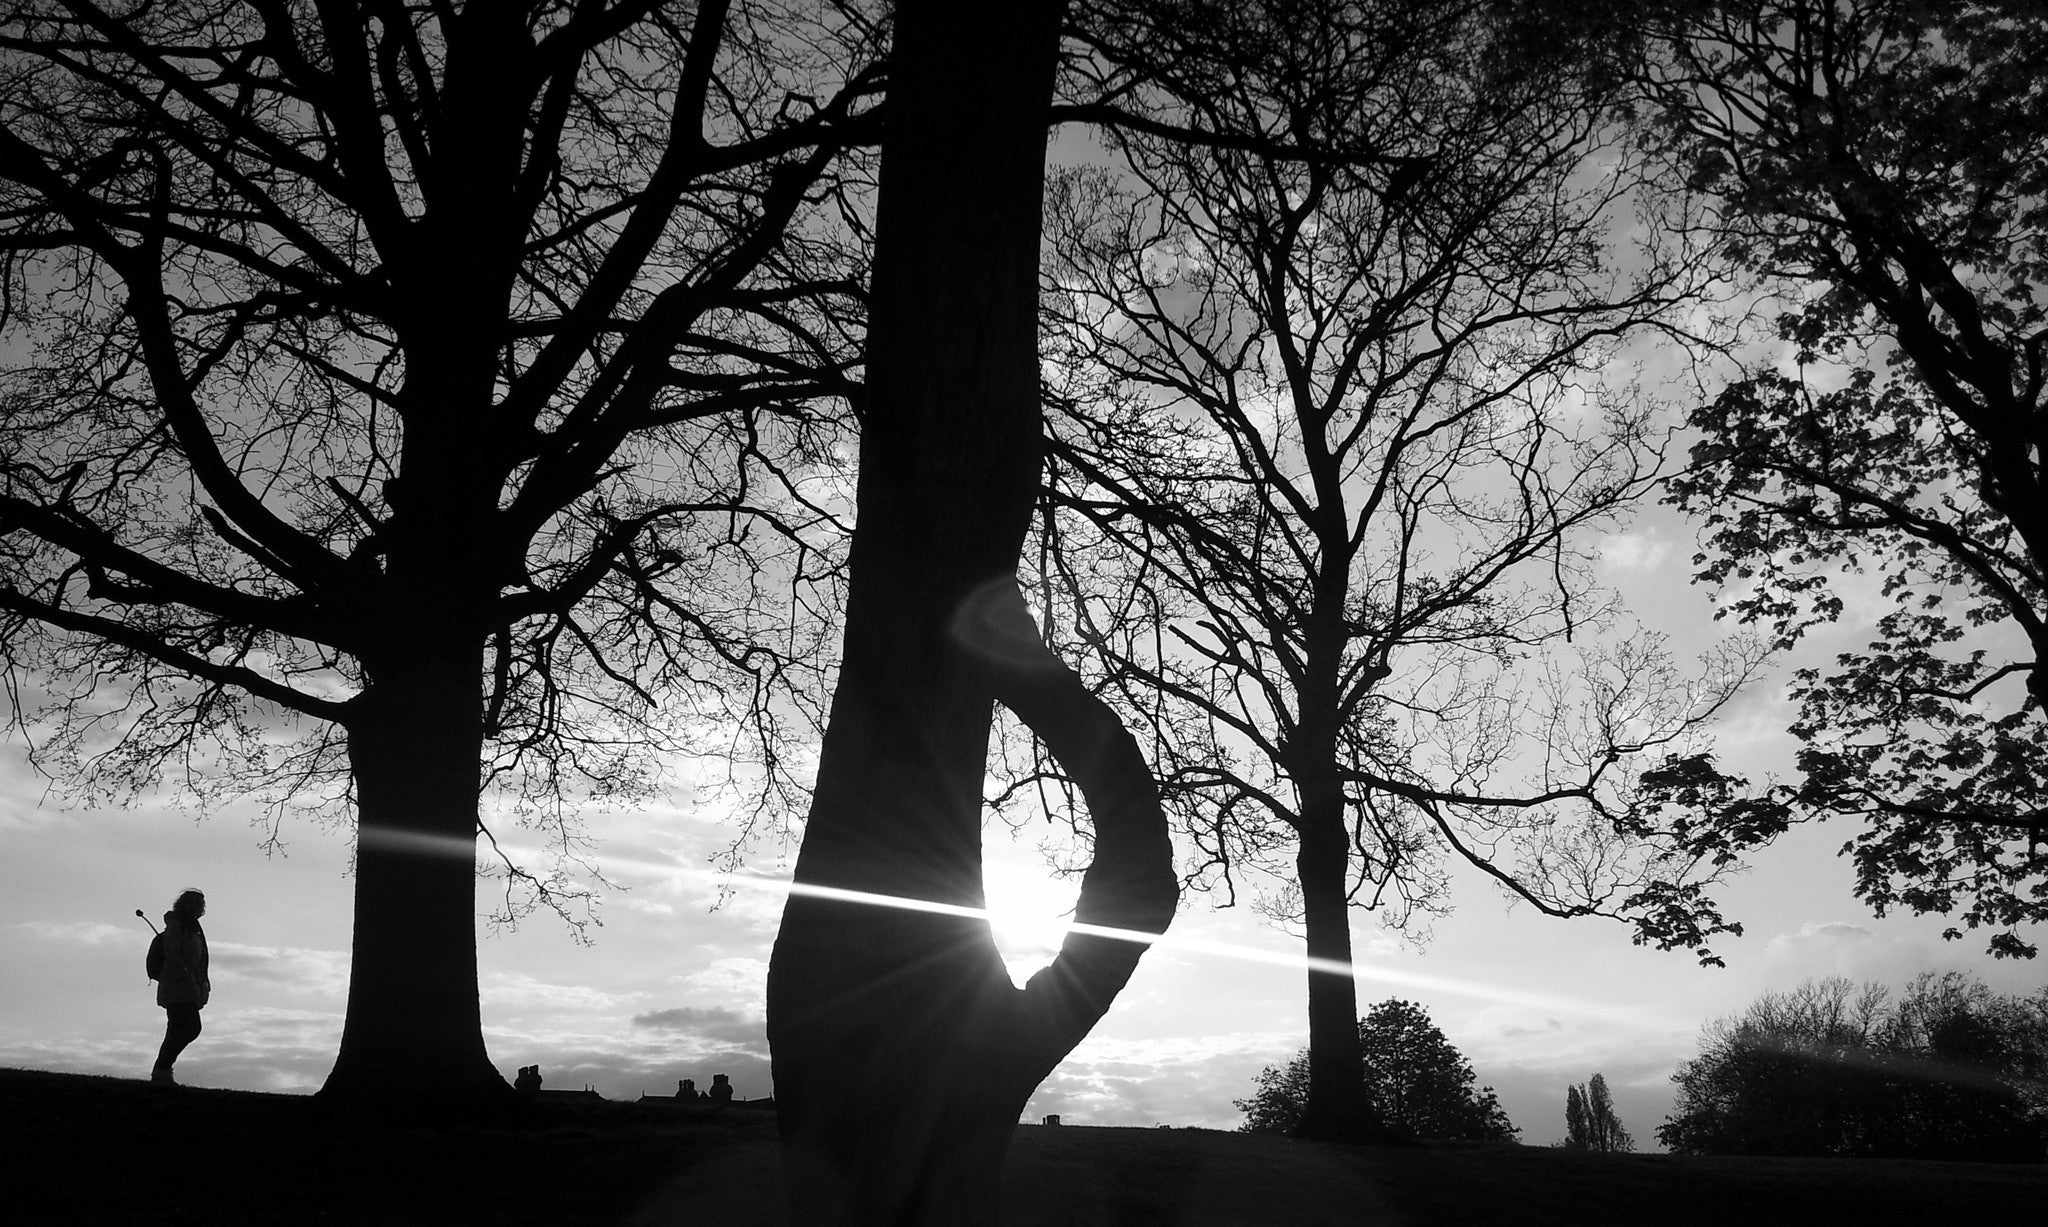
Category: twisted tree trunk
[902,1052]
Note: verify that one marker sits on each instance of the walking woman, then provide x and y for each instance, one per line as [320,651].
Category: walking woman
[182,987]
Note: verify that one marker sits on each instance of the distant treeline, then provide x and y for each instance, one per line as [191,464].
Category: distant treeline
[1946,1070]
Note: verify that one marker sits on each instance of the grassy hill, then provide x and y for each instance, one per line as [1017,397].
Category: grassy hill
[118,1151]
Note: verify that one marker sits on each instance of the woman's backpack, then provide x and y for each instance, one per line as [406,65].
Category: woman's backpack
[153,962]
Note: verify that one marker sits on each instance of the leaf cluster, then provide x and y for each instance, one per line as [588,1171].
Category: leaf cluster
[1877,166]
[1418,1083]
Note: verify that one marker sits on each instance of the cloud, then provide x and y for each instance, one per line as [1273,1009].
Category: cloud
[1751,729]
[740,982]
[1495,1037]
[1637,550]
[520,990]
[253,1049]
[89,933]
[632,1062]
[1840,948]
[712,1024]
[263,1049]
[128,1054]
[1382,946]
[321,972]
[1176,1080]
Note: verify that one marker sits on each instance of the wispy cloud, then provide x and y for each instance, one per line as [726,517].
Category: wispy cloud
[319,972]
[1843,948]
[1178,1080]
[1643,549]
[257,1049]
[728,1026]
[740,983]
[521,990]
[83,932]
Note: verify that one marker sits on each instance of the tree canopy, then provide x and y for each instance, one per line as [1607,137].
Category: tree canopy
[1947,1070]
[1337,424]
[239,249]
[1416,1079]
[397,399]
[1880,168]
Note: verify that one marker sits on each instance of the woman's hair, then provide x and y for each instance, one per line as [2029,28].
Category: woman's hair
[191,905]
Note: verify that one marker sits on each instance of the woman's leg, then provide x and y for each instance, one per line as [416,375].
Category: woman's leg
[181,1027]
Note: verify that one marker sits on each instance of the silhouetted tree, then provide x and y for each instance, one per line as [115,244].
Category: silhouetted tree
[1950,1070]
[1880,166]
[403,401]
[1331,446]
[1415,1081]
[903,1053]
[1590,1122]
[1282,1094]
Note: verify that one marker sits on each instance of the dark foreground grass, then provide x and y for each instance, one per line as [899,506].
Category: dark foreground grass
[88,1150]
[120,1151]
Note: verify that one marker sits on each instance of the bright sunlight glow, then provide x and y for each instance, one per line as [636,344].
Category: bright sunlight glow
[1025,911]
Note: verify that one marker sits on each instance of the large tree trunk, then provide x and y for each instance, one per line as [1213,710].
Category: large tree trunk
[903,1054]
[1337,1109]
[413,1036]
[414,1033]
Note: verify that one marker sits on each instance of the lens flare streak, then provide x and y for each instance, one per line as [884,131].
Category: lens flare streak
[1196,945]
[443,846]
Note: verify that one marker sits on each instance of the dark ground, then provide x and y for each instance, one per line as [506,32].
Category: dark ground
[83,1150]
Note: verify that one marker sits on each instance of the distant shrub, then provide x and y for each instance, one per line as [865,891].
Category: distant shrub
[1949,1071]
[1418,1082]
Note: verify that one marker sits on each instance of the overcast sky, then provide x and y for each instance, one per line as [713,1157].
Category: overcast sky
[672,989]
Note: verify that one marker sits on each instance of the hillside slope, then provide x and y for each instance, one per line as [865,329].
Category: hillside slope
[116,1151]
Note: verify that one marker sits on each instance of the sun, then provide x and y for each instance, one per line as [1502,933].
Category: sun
[1028,909]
